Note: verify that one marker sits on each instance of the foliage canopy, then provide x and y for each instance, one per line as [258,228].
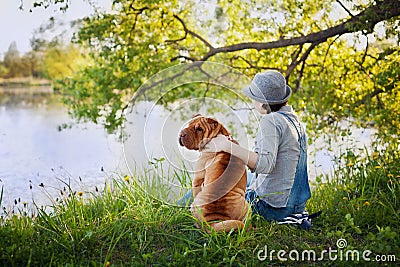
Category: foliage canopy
[341,58]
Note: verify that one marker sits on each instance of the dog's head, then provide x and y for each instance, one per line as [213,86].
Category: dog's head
[200,128]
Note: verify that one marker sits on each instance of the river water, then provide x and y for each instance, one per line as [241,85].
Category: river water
[38,158]
[34,152]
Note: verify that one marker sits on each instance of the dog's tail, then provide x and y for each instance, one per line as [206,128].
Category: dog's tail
[227,226]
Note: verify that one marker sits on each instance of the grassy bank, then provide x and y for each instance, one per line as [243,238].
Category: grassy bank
[124,226]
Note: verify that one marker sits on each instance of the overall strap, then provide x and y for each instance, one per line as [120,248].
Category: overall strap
[300,191]
[301,140]
[290,120]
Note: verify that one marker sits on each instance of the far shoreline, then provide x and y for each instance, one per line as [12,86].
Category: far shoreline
[25,85]
[23,82]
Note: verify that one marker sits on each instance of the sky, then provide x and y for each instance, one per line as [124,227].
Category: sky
[19,25]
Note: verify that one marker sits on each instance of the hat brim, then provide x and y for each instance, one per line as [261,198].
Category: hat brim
[247,91]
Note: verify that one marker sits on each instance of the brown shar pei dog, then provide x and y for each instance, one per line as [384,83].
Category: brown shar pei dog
[220,179]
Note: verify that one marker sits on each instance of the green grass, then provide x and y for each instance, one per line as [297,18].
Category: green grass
[123,226]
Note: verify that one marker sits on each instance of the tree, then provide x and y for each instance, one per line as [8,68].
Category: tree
[12,61]
[60,61]
[15,65]
[32,61]
[315,43]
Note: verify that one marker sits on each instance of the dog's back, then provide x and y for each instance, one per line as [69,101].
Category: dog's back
[221,202]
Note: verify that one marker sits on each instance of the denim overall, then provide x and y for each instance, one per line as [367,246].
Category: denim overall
[299,194]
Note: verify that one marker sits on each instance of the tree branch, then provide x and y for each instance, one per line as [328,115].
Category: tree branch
[187,31]
[143,89]
[345,8]
[365,52]
[299,76]
[302,59]
[137,13]
[183,57]
[376,93]
[326,55]
[295,62]
[366,20]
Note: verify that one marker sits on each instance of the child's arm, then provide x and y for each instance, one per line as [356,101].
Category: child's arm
[221,143]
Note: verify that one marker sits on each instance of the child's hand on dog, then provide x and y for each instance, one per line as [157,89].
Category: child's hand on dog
[220,143]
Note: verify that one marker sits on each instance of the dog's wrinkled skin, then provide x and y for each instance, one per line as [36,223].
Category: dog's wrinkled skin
[219,182]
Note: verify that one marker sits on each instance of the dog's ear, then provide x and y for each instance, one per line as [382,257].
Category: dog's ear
[196,115]
[215,124]
[224,131]
[212,122]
